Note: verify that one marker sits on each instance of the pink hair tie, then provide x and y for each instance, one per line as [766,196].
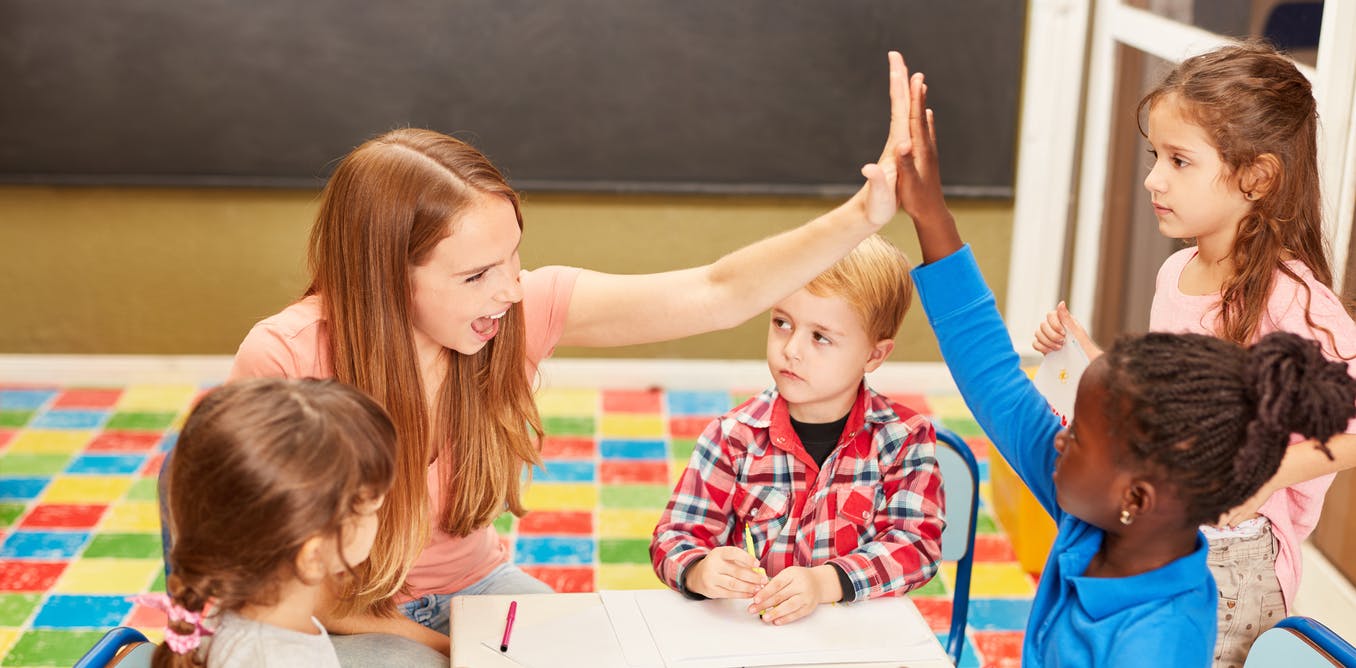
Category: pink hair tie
[179,642]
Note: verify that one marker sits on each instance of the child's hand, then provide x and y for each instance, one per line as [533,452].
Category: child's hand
[918,185]
[877,199]
[795,593]
[1050,335]
[727,572]
[1246,510]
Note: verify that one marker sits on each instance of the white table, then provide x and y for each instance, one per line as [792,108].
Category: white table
[476,618]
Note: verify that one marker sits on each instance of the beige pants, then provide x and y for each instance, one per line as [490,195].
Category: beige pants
[1250,600]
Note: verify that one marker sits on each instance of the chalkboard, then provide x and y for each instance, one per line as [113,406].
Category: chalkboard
[749,96]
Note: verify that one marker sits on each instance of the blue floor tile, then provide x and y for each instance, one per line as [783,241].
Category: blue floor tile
[698,403]
[554,551]
[106,464]
[999,614]
[25,399]
[21,489]
[632,449]
[558,470]
[43,544]
[69,420]
[65,611]
[167,443]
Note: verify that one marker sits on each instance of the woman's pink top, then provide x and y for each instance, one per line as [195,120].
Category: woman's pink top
[291,344]
[1293,511]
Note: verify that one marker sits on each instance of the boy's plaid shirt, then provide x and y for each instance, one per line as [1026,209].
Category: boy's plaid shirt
[875,510]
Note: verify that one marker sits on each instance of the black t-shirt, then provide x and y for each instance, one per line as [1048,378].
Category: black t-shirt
[819,439]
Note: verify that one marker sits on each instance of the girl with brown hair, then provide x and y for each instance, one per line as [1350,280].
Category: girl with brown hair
[1233,133]
[418,298]
[273,492]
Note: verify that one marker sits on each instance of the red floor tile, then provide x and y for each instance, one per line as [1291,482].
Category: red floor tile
[63,516]
[615,472]
[979,446]
[548,522]
[936,610]
[563,579]
[993,547]
[151,469]
[124,441]
[88,398]
[568,447]
[632,401]
[146,618]
[917,402]
[6,435]
[688,427]
[29,575]
[1000,649]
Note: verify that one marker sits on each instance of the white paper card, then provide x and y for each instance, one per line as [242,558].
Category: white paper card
[538,645]
[1057,379]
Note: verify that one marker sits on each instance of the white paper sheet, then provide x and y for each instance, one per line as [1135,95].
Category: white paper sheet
[1057,378]
[722,634]
[538,645]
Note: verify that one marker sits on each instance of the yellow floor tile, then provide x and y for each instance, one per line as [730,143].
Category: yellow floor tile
[562,401]
[156,398]
[554,496]
[50,442]
[991,579]
[132,517]
[948,406]
[86,489]
[8,636]
[640,426]
[628,576]
[627,523]
[108,576]
[675,472]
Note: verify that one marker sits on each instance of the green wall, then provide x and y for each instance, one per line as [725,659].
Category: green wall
[187,271]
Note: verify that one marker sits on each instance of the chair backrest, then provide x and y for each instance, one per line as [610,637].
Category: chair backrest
[960,475]
[1300,642]
[123,646]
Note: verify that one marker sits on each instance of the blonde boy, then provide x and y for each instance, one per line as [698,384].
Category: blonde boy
[838,485]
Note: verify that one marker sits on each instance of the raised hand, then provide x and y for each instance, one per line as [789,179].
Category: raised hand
[1057,324]
[918,181]
[727,572]
[878,197]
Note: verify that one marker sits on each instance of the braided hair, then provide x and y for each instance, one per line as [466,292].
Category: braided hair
[1213,418]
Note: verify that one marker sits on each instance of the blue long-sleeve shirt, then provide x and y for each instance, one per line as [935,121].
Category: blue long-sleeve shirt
[1165,617]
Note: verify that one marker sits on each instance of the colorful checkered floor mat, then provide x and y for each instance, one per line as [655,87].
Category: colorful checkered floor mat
[80,527]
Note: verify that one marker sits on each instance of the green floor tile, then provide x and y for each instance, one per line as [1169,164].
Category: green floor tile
[15,418]
[143,421]
[568,426]
[984,523]
[144,489]
[504,523]
[124,546]
[15,609]
[27,464]
[963,426]
[623,551]
[682,449]
[159,585]
[934,587]
[10,512]
[633,496]
[51,647]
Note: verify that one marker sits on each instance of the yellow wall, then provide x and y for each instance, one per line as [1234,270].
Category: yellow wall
[187,271]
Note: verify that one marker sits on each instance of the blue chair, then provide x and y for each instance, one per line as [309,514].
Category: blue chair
[123,647]
[960,474]
[1300,642]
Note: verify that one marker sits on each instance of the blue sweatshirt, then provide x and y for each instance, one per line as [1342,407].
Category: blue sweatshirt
[1165,617]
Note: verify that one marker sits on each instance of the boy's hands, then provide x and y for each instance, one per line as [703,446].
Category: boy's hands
[918,183]
[795,593]
[726,572]
[1050,335]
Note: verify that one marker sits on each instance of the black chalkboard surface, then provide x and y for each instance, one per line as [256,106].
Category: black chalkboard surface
[754,96]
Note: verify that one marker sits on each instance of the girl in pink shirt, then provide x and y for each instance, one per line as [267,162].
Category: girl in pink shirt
[1233,133]
[417,297]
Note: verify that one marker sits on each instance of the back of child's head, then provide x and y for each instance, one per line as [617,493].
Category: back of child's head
[1252,102]
[874,280]
[261,467]
[1213,419]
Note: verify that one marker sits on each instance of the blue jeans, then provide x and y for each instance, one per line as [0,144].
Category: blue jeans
[435,610]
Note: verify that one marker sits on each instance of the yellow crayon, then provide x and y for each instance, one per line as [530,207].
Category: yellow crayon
[748,545]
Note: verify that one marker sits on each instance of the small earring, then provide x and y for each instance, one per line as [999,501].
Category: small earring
[1126,517]
[1250,195]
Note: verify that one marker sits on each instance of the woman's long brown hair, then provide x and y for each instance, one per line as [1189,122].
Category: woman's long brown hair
[1253,101]
[262,466]
[387,205]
